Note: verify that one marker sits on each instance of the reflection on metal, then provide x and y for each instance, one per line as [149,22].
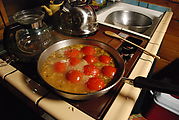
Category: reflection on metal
[156,17]
[131,20]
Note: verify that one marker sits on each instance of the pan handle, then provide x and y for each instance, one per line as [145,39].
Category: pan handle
[153,84]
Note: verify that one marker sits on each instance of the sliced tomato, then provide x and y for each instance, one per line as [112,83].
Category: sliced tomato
[72,53]
[95,83]
[74,76]
[88,50]
[105,59]
[91,70]
[60,67]
[109,71]
[74,61]
[90,59]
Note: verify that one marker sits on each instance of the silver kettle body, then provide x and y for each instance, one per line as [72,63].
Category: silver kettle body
[78,19]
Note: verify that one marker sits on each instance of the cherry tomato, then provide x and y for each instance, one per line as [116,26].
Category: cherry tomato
[88,50]
[90,59]
[74,61]
[91,70]
[72,53]
[60,67]
[74,76]
[108,71]
[95,83]
[105,59]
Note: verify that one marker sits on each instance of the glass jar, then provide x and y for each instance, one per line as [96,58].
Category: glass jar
[34,35]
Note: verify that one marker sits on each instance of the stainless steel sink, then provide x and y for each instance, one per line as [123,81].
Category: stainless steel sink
[105,17]
[131,20]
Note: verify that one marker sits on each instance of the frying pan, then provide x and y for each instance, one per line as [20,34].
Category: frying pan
[138,82]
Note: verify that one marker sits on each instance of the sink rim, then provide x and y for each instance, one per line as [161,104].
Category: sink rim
[156,16]
[135,14]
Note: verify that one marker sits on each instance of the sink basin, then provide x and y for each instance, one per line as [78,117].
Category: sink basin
[109,16]
[130,20]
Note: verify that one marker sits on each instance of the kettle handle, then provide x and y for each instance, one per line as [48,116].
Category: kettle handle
[9,35]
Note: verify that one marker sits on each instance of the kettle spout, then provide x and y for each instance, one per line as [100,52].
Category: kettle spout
[53,8]
[48,10]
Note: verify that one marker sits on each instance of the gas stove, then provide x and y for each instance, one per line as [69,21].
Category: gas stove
[97,107]
[116,104]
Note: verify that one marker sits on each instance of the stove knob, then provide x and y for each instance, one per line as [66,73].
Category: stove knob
[126,57]
[128,49]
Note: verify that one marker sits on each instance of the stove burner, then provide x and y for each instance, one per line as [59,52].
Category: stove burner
[127,50]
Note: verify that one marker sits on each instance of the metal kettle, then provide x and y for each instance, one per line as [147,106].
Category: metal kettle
[76,17]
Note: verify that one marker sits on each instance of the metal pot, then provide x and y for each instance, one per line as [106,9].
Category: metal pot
[77,19]
[130,20]
[137,82]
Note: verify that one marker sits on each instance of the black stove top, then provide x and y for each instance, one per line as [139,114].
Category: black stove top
[101,104]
